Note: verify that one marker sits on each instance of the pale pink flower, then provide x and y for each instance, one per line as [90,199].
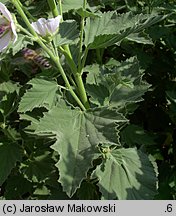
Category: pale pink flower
[47,27]
[7,28]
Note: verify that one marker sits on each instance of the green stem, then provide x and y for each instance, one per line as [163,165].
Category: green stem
[60,7]
[26,11]
[57,62]
[81,39]
[8,133]
[80,45]
[82,91]
[78,78]
[24,30]
[55,59]
[99,53]
[24,17]
[53,7]
[84,57]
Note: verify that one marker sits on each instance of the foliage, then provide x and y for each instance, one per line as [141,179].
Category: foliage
[99,123]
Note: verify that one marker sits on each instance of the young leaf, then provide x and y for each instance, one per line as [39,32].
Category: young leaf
[78,134]
[42,94]
[126,174]
[10,153]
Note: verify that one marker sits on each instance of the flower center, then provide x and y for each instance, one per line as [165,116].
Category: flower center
[4,28]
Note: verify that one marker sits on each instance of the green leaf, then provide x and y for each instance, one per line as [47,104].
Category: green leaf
[9,87]
[93,76]
[134,134]
[84,13]
[10,153]
[8,97]
[22,42]
[14,189]
[171,96]
[33,117]
[101,32]
[124,96]
[126,174]
[99,94]
[114,73]
[8,104]
[4,1]
[140,38]
[68,33]
[117,84]
[78,134]
[71,5]
[38,167]
[87,191]
[42,94]
[97,26]
[42,191]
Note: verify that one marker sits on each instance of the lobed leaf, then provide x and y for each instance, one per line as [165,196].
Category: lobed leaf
[116,84]
[140,38]
[134,134]
[8,87]
[42,94]
[112,28]
[78,134]
[14,188]
[21,43]
[71,5]
[10,153]
[68,33]
[127,174]
[38,167]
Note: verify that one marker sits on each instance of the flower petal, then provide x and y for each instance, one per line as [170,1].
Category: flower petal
[46,27]
[5,12]
[3,21]
[53,24]
[40,26]
[13,30]
[7,20]
[5,40]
